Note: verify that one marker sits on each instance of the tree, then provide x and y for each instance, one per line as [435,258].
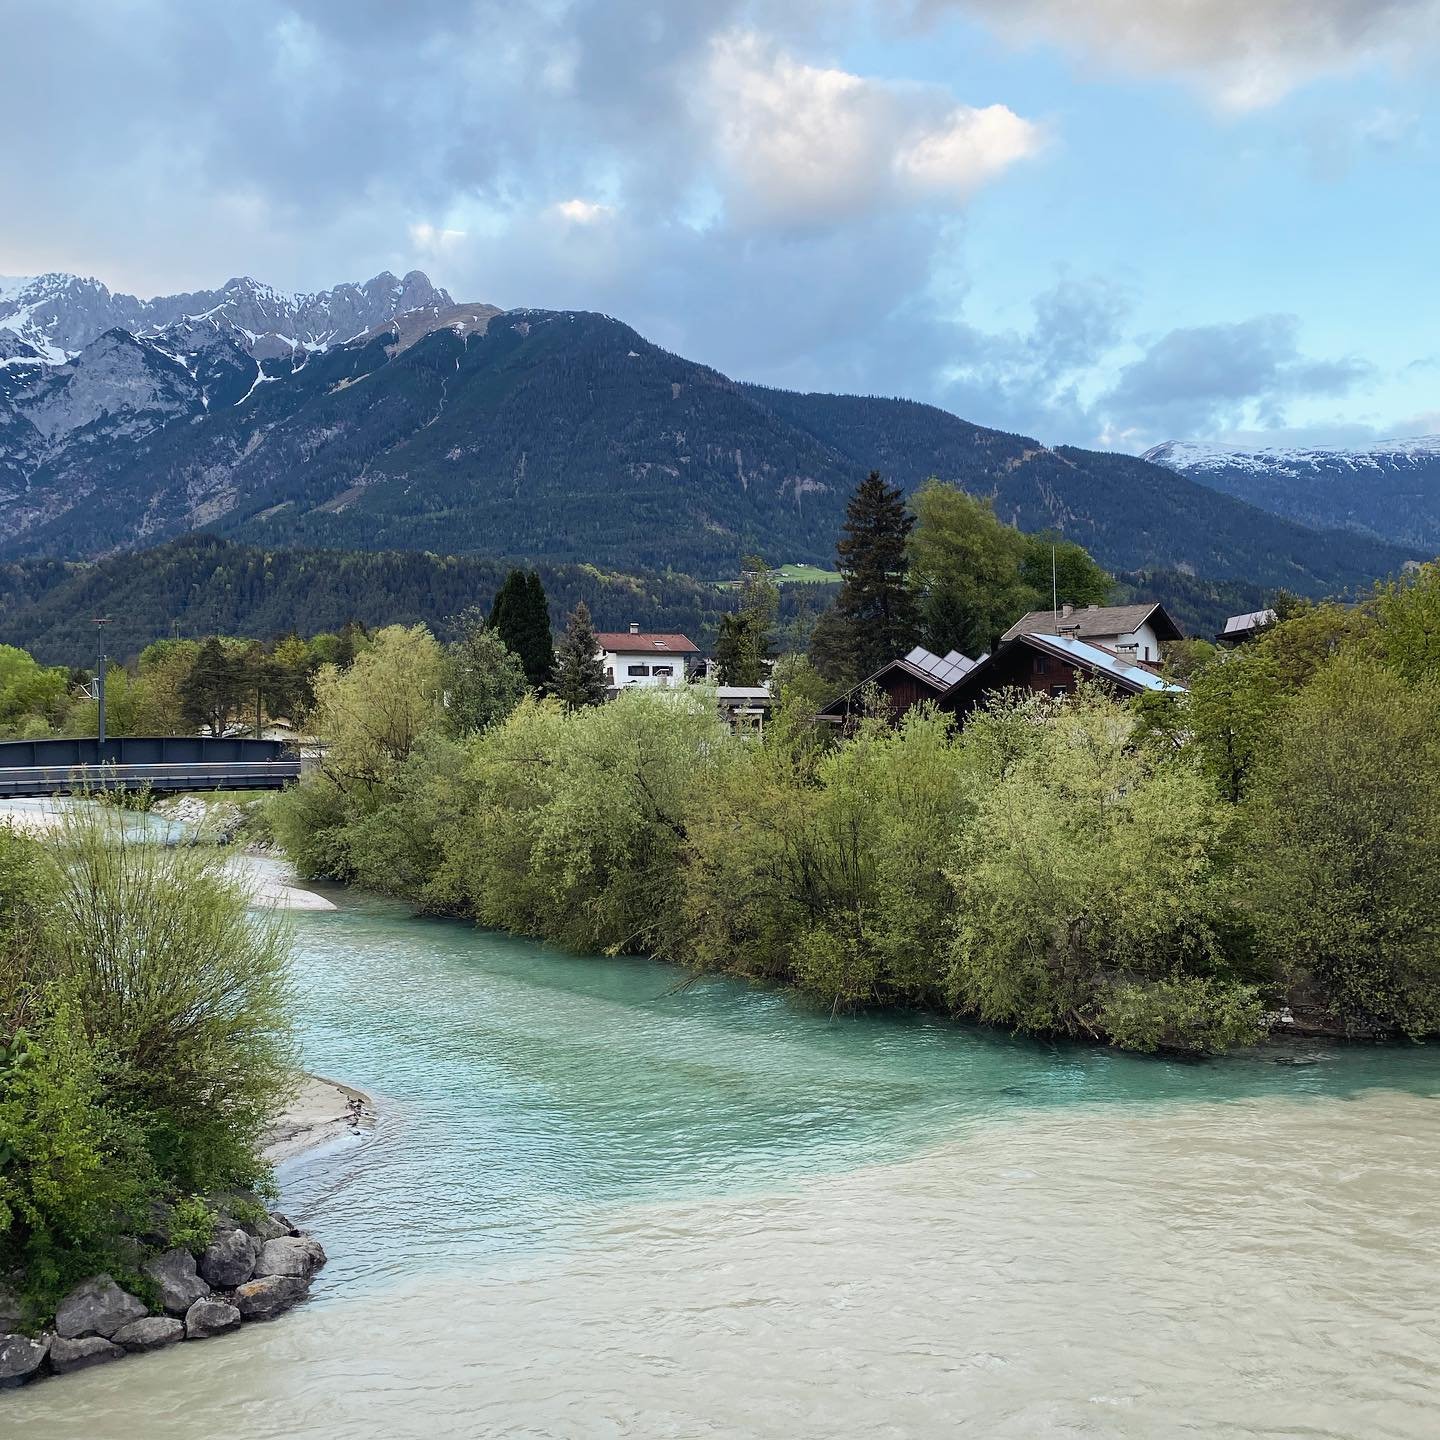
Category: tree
[484,679]
[1345,856]
[1233,715]
[31,695]
[965,570]
[1407,613]
[743,645]
[292,690]
[520,615]
[1077,578]
[1091,886]
[579,669]
[211,689]
[371,715]
[873,620]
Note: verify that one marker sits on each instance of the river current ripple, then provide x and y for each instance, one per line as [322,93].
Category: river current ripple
[604,1202]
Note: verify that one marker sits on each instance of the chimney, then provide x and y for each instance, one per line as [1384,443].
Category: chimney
[1067,610]
[634,627]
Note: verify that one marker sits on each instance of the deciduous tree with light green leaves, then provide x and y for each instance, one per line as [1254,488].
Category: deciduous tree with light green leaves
[484,679]
[1091,893]
[1345,861]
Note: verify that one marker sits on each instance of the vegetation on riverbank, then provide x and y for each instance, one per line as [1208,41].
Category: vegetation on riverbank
[144,1044]
[1166,873]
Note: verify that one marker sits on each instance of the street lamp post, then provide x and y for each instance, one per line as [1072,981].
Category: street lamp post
[101,621]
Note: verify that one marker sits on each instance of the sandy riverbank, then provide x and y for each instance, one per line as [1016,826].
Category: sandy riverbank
[321,1111]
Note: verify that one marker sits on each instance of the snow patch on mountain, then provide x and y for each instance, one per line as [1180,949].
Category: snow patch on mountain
[1190,456]
[60,314]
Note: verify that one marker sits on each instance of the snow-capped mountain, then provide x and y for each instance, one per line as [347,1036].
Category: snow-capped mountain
[59,315]
[1390,489]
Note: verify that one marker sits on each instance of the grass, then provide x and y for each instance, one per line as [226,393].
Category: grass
[792,575]
[806,575]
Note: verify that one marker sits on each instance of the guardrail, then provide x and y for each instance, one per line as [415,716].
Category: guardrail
[17,781]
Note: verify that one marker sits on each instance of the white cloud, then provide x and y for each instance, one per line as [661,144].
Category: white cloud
[970,147]
[1246,53]
[807,145]
[581,212]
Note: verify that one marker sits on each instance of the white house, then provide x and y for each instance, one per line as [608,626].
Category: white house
[636,657]
[1133,632]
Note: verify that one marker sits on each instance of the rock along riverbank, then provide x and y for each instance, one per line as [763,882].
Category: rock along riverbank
[257,1265]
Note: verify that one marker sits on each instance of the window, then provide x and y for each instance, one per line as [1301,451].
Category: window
[1038,665]
[637,669]
[662,670]
[1058,691]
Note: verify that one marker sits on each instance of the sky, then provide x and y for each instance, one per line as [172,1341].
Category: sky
[1100,222]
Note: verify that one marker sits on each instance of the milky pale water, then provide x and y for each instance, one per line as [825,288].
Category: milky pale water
[603,1202]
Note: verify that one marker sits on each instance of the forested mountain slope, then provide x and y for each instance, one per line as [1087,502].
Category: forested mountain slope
[202,585]
[565,437]
[1390,490]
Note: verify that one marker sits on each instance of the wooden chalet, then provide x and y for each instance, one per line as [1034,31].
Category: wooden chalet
[920,675]
[1051,665]
[1045,664]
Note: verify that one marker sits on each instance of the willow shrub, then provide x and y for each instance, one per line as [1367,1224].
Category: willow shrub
[1346,861]
[181,990]
[1091,888]
[574,826]
[826,871]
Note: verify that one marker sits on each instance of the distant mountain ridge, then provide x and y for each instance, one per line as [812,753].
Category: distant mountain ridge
[59,315]
[1389,490]
[562,436]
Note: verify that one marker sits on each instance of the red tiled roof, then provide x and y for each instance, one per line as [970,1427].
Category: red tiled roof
[622,642]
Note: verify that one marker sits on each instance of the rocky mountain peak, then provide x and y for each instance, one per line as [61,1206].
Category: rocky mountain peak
[60,314]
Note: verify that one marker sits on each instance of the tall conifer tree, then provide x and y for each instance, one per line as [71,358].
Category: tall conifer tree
[579,668]
[521,617]
[873,619]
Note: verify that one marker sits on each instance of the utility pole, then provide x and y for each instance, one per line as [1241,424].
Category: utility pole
[101,621]
[1054,586]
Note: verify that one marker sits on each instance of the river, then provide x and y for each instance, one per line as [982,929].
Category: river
[601,1201]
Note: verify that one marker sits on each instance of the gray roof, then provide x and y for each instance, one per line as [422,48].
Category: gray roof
[1252,620]
[1106,662]
[1094,622]
[939,671]
[947,669]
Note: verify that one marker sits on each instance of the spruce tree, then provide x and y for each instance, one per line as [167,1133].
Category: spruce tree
[579,669]
[873,620]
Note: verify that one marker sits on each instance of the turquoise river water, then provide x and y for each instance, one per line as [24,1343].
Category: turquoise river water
[601,1201]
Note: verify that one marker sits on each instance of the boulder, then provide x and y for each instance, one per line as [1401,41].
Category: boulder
[151,1333]
[229,1259]
[272,1227]
[175,1279]
[226,1204]
[20,1358]
[67,1355]
[97,1306]
[267,1297]
[300,1255]
[12,1308]
[210,1317]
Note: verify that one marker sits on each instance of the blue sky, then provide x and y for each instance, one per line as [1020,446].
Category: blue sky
[1109,223]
